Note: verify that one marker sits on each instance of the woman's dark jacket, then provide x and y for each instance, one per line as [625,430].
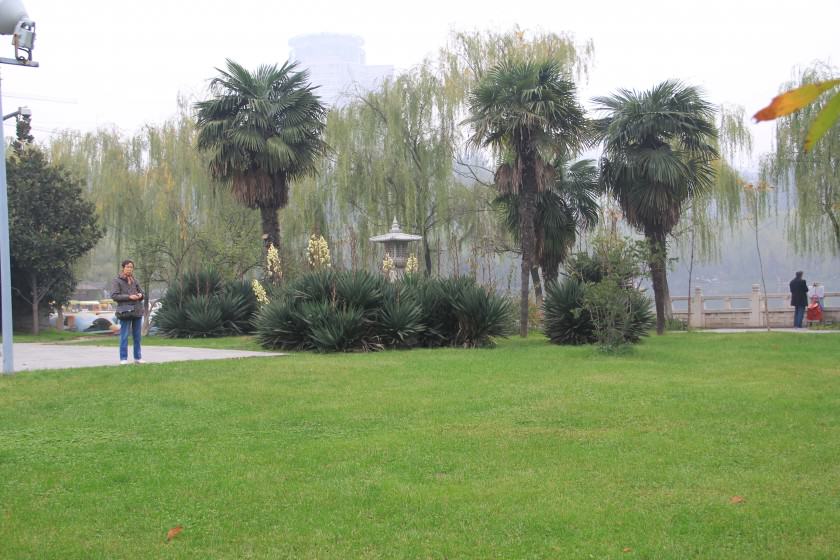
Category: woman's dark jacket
[799,292]
[121,288]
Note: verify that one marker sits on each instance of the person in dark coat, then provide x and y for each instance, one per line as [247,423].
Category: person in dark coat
[125,290]
[798,298]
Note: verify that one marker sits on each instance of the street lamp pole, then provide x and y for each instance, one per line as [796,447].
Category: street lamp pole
[13,21]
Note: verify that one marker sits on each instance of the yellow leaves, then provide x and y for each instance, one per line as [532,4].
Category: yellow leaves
[795,99]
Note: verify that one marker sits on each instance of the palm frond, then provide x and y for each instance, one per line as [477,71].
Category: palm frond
[261,129]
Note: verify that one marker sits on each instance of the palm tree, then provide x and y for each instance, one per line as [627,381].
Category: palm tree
[528,112]
[659,146]
[566,208]
[261,131]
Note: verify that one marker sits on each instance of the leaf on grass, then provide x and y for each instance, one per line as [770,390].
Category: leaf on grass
[824,120]
[173,532]
[737,500]
[790,101]
[627,549]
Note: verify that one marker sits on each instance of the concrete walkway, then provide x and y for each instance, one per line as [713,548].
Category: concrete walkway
[32,356]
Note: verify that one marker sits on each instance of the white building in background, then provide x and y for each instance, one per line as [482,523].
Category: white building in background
[336,62]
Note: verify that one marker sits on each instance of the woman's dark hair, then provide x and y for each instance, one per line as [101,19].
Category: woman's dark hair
[125,262]
[799,273]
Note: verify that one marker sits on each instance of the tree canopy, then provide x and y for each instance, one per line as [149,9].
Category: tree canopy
[51,225]
[262,130]
[809,178]
[659,149]
[527,111]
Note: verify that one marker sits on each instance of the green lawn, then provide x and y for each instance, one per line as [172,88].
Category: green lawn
[525,451]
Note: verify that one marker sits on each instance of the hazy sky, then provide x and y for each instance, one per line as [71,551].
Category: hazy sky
[120,63]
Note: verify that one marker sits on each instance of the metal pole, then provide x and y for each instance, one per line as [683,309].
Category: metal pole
[5,261]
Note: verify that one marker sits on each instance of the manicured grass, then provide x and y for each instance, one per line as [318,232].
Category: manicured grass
[51,335]
[524,451]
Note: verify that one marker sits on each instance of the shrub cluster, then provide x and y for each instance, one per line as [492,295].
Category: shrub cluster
[598,301]
[329,311]
[203,305]
[584,313]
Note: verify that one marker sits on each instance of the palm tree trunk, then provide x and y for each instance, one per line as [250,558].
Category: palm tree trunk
[270,227]
[535,278]
[666,298]
[656,241]
[427,255]
[526,226]
[539,244]
[33,282]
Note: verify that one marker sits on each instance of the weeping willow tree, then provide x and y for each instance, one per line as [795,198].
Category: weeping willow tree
[809,179]
[157,200]
[400,152]
[394,151]
[732,202]
[466,62]
[469,55]
[719,209]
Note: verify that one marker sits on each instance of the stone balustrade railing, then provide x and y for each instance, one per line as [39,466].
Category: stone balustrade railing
[744,310]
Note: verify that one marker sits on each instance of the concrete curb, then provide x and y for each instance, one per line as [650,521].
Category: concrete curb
[37,356]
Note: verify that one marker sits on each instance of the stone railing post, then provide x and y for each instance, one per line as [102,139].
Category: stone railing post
[756,316]
[697,311]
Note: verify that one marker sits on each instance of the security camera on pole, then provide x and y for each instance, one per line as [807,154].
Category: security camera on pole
[14,21]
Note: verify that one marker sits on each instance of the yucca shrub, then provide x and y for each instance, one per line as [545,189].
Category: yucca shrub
[282,325]
[340,328]
[459,312]
[438,317]
[324,310]
[565,320]
[327,310]
[239,306]
[481,316]
[400,322]
[203,305]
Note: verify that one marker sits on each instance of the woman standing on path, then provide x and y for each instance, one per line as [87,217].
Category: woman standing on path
[125,290]
[798,298]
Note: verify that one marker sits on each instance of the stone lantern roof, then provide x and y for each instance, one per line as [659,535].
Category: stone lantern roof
[396,234]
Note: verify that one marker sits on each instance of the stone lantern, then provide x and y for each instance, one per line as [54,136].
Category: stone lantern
[396,246]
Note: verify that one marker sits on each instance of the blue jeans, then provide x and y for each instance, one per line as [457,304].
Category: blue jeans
[798,315]
[135,325]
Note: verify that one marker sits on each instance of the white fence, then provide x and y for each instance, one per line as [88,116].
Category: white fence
[744,310]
